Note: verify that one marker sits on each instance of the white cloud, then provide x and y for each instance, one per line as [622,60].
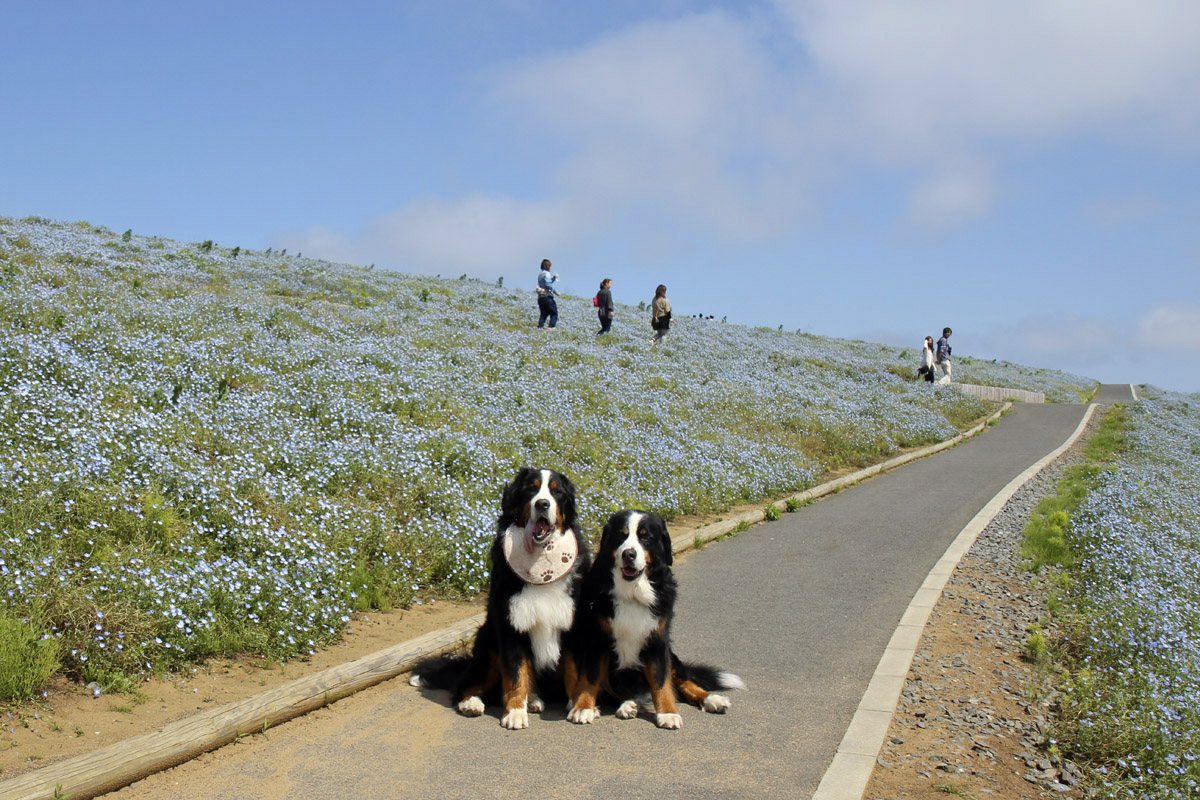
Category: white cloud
[690,117]
[921,74]
[1110,212]
[1039,339]
[733,127]
[952,197]
[1171,327]
[482,236]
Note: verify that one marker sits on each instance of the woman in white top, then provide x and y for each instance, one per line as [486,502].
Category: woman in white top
[927,360]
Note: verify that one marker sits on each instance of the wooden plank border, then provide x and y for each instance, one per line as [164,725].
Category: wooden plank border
[120,764]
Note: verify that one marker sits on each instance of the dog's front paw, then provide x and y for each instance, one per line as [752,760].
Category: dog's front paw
[627,710]
[716,704]
[536,705]
[671,722]
[471,707]
[516,719]
[584,716]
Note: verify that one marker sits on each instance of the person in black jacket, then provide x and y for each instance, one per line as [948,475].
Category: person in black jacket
[604,305]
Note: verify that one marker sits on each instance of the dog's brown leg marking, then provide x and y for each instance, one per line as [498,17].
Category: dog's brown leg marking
[570,676]
[516,694]
[586,692]
[692,692]
[663,694]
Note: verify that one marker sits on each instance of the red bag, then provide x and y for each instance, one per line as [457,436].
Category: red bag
[596,301]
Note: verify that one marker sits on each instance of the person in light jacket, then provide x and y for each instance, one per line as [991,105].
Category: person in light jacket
[547,306]
[660,314]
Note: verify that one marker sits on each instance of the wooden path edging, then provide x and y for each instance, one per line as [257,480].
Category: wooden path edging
[120,764]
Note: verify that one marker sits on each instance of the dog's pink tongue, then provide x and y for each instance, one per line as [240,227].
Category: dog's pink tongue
[532,534]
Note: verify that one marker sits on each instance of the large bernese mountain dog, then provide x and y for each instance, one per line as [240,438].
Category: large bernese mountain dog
[538,558]
[620,648]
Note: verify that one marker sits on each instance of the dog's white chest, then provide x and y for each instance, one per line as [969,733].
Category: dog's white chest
[544,612]
[633,623]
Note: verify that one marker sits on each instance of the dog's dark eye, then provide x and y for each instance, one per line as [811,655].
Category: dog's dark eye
[643,533]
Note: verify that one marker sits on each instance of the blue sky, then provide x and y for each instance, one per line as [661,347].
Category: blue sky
[1024,171]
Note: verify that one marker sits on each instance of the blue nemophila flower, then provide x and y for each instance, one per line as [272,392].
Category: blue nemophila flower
[1138,537]
[222,454]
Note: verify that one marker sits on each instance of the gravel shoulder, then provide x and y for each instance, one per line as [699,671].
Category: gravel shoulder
[974,716]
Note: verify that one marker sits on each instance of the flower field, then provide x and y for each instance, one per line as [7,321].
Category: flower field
[207,451]
[1132,706]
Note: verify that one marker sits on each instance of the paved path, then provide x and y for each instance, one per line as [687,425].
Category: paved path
[1116,393]
[801,608]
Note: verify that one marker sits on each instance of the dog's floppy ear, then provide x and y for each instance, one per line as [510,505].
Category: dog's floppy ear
[665,538]
[508,500]
[568,498]
[614,531]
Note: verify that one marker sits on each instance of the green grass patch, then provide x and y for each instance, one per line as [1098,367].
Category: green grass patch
[1047,535]
[28,657]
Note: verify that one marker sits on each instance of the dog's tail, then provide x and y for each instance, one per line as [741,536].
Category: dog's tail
[439,672]
[710,679]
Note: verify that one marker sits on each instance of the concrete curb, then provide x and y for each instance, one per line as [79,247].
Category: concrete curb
[850,773]
[120,764]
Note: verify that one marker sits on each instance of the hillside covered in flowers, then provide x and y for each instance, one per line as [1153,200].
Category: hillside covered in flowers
[209,450]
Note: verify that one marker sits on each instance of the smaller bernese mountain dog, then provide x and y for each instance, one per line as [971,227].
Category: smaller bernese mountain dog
[620,648]
[539,559]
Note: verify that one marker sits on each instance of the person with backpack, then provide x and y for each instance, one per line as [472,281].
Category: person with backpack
[660,314]
[604,306]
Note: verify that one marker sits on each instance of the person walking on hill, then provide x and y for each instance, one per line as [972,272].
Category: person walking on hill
[604,304]
[927,360]
[660,314]
[547,306]
[943,356]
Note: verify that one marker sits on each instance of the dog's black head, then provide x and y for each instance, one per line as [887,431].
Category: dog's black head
[541,501]
[634,543]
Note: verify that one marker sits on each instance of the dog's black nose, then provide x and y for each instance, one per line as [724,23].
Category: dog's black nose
[542,504]
[629,555]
